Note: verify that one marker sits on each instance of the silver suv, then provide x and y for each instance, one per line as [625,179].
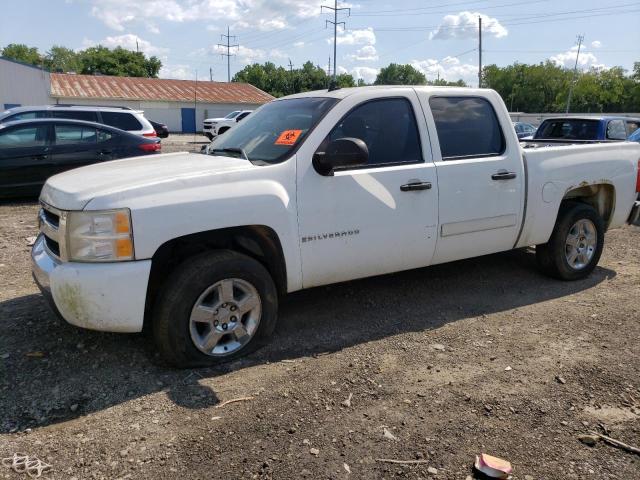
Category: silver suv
[123,118]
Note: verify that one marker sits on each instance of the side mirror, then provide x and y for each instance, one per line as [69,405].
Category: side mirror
[343,152]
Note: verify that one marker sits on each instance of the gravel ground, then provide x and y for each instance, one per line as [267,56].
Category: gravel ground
[183,142]
[484,355]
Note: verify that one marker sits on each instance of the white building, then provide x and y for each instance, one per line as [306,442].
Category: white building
[181,104]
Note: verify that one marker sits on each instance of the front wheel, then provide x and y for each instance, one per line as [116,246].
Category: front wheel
[575,246]
[215,307]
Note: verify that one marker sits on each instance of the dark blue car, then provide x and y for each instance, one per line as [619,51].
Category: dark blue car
[587,128]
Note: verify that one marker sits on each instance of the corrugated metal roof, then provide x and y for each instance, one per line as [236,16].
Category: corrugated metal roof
[67,85]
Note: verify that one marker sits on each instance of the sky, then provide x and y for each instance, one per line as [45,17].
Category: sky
[438,37]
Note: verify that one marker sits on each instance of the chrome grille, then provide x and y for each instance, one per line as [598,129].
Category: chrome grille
[52,226]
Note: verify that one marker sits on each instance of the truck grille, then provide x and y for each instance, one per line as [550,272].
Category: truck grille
[52,225]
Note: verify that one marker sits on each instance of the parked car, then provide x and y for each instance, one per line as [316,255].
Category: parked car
[122,118]
[597,128]
[213,127]
[314,189]
[162,131]
[523,129]
[33,150]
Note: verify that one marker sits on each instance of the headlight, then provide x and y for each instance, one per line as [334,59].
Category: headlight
[100,236]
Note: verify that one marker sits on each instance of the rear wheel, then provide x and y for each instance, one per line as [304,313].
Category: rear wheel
[575,246]
[215,307]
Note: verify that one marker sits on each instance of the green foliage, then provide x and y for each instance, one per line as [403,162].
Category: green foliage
[93,60]
[22,53]
[279,81]
[544,87]
[62,59]
[118,62]
[395,74]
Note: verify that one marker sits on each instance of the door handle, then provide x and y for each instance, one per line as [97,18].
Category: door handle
[105,152]
[503,175]
[41,156]
[409,187]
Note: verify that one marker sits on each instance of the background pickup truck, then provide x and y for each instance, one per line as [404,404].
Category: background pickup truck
[313,189]
[212,127]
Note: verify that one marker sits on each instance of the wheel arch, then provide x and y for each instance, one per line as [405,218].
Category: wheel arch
[256,241]
[601,196]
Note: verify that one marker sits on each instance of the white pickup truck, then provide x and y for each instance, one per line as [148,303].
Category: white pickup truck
[212,127]
[313,189]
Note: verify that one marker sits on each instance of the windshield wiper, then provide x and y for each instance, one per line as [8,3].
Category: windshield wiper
[231,150]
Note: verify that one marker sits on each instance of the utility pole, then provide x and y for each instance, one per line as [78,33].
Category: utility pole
[137,47]
[575,71]
[479,52]
[329,67]
[290,66]
[335,24]
[228,46]
[211,74]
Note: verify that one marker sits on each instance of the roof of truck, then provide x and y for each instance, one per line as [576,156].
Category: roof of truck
[345,92]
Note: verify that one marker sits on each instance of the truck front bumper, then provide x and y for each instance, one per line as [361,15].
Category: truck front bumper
[99,296]
[634,218]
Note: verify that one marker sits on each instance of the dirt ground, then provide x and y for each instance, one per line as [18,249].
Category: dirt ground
[183,142]
[484,355]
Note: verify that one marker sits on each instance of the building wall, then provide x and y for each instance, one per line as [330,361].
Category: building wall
[169,113]
[23,85]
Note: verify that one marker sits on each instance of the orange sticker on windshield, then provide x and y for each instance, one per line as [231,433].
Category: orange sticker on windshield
[288,137]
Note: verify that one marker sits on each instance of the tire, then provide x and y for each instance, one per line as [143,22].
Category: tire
[577,223]
[191,302]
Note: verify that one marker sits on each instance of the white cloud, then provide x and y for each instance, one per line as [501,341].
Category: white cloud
[465,25]
[567,59]
[366,36]
[368,74]
[298,44]
[367,53]
[596,44]
[449,68]
[177,72]
[117,14]
[275,53]
[245,54]
[127,41]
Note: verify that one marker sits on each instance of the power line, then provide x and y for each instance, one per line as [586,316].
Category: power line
[228,36]
[335,24]
[575,71]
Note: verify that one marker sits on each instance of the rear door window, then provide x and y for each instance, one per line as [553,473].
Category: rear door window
[121,120]
[74,135]
[467,127]
[616,130]
[570,129]
[75,115]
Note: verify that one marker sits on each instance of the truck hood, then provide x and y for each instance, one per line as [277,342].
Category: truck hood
[74,189]
[221,119]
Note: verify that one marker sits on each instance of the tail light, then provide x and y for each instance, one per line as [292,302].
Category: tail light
[150,147]
[151,134]
[638,179]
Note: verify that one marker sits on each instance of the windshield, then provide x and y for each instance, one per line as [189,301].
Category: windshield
[273,131]
[233,114]
[574,129]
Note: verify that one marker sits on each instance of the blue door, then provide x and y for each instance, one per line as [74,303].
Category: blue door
[188,120]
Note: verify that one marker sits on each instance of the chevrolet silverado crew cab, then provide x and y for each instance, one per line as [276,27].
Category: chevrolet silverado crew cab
[313,189]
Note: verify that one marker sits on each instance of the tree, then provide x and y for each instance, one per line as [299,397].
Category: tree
[22,53]
[279,81]
[395,74]
[118,62]
[62,59]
